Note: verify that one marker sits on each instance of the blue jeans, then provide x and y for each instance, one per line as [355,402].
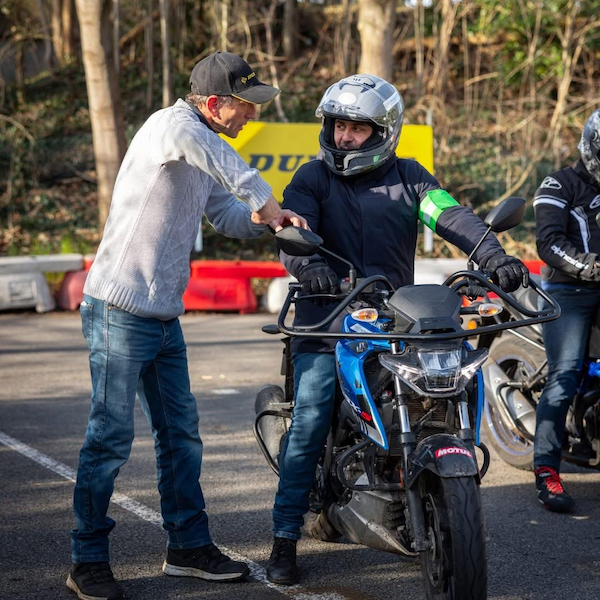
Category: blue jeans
[565,340]
[314,389]
[130,354]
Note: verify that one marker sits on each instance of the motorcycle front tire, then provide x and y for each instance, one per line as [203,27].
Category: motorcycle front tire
[455,566]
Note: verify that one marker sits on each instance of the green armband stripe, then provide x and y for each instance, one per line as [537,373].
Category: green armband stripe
[432,206]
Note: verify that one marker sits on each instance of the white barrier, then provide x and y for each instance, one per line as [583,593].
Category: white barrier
[22,281]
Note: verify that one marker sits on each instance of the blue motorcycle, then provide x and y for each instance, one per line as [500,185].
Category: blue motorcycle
[399,471]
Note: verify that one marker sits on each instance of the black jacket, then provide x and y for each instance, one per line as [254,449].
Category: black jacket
[371,220]
[567,236]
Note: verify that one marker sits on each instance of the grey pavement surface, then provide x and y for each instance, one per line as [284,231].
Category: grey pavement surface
[44,403]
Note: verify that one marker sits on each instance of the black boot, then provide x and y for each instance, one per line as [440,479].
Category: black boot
[282,568]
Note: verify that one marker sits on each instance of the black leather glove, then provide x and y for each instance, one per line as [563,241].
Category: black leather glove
[507,271]
[318,278]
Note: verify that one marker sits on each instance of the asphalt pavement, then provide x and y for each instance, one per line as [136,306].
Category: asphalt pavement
[44,404]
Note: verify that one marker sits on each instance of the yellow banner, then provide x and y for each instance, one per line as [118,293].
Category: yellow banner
[278,149]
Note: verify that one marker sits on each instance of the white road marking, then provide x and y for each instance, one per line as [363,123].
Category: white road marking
[147,514]
[225,392]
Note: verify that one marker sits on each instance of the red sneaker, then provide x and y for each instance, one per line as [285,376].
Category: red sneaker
[551,492]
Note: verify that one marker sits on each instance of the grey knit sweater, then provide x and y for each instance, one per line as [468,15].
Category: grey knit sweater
[175,169]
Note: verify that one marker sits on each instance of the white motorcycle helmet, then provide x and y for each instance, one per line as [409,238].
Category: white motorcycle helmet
[589,146]
[364,98]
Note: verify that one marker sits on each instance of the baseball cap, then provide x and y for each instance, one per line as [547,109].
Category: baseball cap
[226,74]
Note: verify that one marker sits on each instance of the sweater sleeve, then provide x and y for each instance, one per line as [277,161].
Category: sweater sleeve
[552,205]
[229,216]
[202,148]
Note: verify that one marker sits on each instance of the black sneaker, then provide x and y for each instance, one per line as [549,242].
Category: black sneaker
[206,562]
[282,567]
[94,581]
[551,492]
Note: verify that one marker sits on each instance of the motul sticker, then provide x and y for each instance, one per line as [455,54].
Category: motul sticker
[448,451]
[551,183]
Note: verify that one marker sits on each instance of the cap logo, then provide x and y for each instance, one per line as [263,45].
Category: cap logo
[245,79]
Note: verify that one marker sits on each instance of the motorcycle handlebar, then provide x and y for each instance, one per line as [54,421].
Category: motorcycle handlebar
[508,298]
[369,282]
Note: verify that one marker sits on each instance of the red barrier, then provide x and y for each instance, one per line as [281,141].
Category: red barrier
[224,285]
[217,285]
[70,292]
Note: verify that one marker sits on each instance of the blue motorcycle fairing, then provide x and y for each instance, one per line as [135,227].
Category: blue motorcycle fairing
[350,356]
[480,397]
[594,369]
[443,454]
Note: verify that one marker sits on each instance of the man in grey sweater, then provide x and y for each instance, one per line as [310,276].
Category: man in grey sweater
[176,169]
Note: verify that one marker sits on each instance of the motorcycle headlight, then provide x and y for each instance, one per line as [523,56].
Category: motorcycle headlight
[440,369]
[435,372]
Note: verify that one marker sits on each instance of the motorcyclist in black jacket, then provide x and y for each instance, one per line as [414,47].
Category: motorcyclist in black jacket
[365,203]
[568,241]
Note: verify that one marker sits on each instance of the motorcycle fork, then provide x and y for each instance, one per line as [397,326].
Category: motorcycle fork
[402,439]
[407,443]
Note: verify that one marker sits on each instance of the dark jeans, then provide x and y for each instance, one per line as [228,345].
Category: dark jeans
[130,354]
[565,340]
[314,389]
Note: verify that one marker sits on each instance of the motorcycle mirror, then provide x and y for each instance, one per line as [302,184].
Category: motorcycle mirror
[507,214]
[298,242]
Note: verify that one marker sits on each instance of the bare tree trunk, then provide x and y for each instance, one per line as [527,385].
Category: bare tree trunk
[68,28]
[149,39]
[224,24]
[246,26]
[376,23]
[19,76]
[55,15]
[116,23]
[290,26]
[341,39]
[532,43]
[419,21]
[268,20]
[572,45]
[47,31]
[181,27]
[103,96]
[467,75]
[62,25]
[438,78]
[165,40]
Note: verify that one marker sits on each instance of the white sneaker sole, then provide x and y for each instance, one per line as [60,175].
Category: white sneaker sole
[193,572]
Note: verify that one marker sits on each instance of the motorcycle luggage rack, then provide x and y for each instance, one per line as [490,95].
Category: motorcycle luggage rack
[454,282]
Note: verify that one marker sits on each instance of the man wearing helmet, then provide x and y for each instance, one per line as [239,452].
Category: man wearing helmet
[365,203]
[568,241]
